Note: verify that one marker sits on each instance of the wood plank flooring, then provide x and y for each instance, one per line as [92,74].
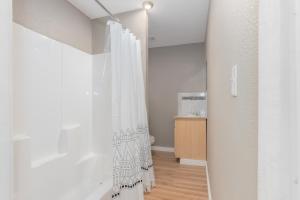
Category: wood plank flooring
[175,181]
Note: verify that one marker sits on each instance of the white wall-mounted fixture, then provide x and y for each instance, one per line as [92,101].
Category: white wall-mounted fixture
[234,81]
[148,5]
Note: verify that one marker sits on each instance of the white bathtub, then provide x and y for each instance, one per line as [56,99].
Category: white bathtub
[60,176]
[99,191]
[102,192]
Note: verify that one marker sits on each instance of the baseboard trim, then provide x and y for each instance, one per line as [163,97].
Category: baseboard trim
[208,183]
[164,149]
[184,161]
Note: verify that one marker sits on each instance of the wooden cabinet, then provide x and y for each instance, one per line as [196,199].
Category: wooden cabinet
[190,138]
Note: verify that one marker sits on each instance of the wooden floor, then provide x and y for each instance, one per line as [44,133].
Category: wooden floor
[175,181]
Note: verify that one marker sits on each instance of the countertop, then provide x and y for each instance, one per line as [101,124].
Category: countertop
[189,117]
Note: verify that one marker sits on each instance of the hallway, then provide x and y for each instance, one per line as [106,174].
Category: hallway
[175,181]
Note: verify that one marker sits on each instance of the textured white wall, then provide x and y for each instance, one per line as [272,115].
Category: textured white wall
[5,79]
[232,38]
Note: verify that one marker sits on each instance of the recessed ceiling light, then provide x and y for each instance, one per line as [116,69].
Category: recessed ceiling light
[148,5]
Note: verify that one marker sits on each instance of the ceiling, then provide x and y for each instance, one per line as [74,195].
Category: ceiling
[171,22]
[93,10]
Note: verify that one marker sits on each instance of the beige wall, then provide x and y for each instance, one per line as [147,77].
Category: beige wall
[232,38]
[172,70]
[136,22]
[56,19]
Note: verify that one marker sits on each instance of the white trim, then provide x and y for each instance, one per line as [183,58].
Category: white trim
[202,163]
[184,161]
[164,149]
[208,182]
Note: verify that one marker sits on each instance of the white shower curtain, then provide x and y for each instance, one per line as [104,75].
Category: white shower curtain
[279,100]
[5,100]
[132,161]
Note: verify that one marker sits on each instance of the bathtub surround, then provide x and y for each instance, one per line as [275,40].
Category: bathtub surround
[232,39]
[74,139]
[172,70]
[57,19]
[5,99]
[59,148]
[45,83]
[70,147]
[132,160]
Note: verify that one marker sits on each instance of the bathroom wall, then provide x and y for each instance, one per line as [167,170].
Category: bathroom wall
[5,99]
[57,19]
[232,39]
[171,70]
[136,22]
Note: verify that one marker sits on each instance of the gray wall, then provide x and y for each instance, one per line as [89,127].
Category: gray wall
[57,19]
[172,70]
[232,38]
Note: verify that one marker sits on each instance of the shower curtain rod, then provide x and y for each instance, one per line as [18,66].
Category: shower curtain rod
[107,11]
